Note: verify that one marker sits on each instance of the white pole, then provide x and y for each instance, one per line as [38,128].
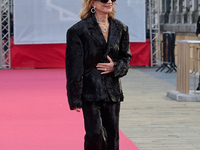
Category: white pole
[150,28]
[159,53]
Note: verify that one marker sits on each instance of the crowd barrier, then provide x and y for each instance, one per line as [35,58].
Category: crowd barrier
[53,55]
[168,58]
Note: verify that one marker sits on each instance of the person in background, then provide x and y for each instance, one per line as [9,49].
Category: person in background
[198,35]
[97,56]
[198,28]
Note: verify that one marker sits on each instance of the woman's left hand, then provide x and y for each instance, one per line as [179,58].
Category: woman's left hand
[106,67]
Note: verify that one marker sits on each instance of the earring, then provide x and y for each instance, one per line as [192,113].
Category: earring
[93,10]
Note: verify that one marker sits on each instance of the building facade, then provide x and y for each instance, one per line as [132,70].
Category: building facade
[179,16]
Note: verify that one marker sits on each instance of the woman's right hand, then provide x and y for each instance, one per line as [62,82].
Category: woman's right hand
[106,67]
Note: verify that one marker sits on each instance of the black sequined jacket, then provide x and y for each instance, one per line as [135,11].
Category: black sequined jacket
[86,47]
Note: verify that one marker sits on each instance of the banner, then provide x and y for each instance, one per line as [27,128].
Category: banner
[46,21]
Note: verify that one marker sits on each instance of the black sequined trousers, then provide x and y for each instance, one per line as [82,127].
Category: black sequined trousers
[101,125]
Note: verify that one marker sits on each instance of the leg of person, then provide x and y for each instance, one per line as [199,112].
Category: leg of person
[110,119]
[95,138]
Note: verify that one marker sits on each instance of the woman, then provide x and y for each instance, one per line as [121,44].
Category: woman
[97,55]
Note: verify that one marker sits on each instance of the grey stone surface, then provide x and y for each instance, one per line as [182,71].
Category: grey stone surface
[180,97]
[154,121]
[183,28]
[167,27]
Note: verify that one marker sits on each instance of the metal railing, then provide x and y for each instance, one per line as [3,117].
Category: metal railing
[5,58]
[153,25]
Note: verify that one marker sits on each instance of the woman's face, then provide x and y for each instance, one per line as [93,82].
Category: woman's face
[103,7]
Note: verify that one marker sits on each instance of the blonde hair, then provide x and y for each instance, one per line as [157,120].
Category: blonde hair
[86,10]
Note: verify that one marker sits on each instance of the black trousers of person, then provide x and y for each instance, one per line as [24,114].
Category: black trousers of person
[101,125]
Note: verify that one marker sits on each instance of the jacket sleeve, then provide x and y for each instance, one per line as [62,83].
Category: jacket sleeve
[74,69]
[198,26]
[122,65]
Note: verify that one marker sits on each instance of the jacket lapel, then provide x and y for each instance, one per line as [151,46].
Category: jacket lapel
[96,34]
[113,36]
[95,30]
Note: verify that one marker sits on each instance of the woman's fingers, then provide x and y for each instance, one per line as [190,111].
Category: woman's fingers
[78,109]
[109,59]
[101,65]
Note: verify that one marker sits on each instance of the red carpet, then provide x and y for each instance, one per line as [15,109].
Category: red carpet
[34,114]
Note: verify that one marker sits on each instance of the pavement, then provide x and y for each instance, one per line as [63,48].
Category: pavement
[152,120]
